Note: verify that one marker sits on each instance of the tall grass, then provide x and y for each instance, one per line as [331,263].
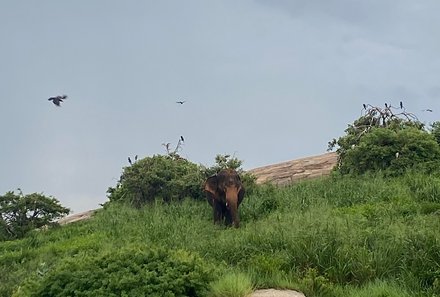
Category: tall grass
[324,236]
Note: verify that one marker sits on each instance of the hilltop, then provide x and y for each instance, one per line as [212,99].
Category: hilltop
[280,174]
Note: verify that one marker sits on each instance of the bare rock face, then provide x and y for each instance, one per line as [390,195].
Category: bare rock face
[285,173]
[76,217]
[276,293]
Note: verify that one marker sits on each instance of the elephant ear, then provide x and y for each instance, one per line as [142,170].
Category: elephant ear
[211,185]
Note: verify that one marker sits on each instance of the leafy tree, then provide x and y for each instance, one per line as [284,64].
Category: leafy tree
[435,131]
[169,178]
[383,139]
[159,177]
[21,213]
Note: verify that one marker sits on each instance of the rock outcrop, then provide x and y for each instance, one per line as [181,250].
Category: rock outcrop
[288,172]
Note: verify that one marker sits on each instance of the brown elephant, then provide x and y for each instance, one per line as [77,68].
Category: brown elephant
[225,192]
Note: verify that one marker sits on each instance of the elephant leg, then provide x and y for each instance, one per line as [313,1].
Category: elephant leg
[228,216]
[218,212]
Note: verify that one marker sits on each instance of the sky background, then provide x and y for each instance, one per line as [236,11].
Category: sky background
[264,80]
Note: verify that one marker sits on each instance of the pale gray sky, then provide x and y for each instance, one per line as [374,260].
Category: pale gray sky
[266,80]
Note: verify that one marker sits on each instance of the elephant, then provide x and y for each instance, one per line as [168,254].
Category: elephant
[224,192]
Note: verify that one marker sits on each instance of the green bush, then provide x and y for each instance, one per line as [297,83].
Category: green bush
[128,272]
[170,178]
[21,213]
[158,177]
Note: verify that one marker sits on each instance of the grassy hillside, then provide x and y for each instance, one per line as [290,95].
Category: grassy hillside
[366,236]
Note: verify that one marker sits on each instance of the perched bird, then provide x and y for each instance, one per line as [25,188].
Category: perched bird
[386,105]
[166,145]
[129,161]
[181,138]
[180,102]
[401,105]
[365,106]
[57,99]
[135,158]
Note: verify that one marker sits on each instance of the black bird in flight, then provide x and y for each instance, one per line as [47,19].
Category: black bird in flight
[129,161]
[428,109]
[180,102]
[57,99]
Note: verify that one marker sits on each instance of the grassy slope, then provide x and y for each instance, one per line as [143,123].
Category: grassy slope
[327,237]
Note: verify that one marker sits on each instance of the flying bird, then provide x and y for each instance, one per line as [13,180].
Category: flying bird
[180,102]
[428,109]
[57,99]
[129,161]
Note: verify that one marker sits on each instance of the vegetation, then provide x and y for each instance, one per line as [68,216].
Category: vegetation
[370,229]
[336,236]
[387,139]
[133,271]
[169,178]
[21,213]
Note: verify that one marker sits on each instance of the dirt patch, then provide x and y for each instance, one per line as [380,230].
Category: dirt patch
[276,293]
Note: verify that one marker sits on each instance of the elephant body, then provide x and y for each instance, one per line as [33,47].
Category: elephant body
[225,192]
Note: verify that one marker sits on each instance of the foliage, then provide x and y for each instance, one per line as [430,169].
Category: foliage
[21,213]
[435,131]
[127,272]
[158,177]
[169,178]
[382,140]
[325,236]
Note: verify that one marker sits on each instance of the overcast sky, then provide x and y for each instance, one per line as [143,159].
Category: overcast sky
[266,80]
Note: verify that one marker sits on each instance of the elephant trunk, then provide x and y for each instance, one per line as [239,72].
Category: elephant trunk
[232,205]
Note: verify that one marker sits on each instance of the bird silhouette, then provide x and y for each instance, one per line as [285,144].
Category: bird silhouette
[386,105]
[428,109]
[135,158]
[181,138]
[180,102]
[401,105]
[57,99]
[365,106]
[129,161]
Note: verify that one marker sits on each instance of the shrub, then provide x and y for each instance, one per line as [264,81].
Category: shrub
[383,140]
[128,272]
[158,177]
[21,213]
[170,178]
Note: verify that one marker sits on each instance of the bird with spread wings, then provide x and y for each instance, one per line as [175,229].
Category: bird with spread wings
[58,99]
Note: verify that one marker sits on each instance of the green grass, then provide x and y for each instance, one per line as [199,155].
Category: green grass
[326,237]
[233,284]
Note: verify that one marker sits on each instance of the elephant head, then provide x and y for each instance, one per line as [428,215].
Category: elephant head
[225,192]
